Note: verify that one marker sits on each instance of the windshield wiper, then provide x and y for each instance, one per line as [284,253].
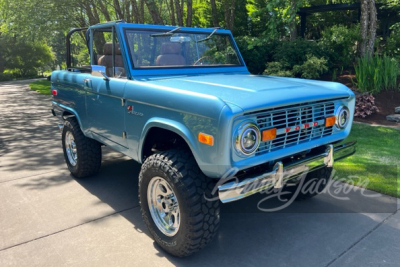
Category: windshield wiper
[170,33]
[208,37]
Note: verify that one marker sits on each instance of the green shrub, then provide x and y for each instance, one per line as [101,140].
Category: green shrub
[6,77]
[300,57]
[277,69]
[295,52]
[376,73]
[392,47]
[312,68]
[256,52]
[340,44]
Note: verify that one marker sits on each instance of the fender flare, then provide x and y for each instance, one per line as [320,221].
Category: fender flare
[70,110]
[172,126]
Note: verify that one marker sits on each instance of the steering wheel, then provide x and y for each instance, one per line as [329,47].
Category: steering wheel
[210,60]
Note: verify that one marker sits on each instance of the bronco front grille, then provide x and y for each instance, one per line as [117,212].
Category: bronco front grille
[310,118]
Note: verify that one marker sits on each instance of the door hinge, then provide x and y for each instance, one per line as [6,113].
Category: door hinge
[123,101]
[124,135]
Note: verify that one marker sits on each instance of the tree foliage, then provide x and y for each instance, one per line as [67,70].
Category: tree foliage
[258,24]
[25,58]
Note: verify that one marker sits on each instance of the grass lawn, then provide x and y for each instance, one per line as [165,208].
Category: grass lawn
[376,162]
[42,86]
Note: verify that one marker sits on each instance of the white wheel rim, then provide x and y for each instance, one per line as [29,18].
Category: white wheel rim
[70,147]
[163,206]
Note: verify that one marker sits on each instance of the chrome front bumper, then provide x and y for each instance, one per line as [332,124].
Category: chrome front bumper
[232,191]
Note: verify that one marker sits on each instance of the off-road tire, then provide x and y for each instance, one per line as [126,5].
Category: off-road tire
[312,184]
[200,217]
[88,151]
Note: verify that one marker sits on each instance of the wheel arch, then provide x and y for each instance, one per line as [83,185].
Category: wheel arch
[164,125]
[67,112]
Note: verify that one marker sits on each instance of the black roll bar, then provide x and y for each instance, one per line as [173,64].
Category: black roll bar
[68,41]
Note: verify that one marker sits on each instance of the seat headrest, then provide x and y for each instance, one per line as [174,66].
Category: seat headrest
[107,49]
[170,48]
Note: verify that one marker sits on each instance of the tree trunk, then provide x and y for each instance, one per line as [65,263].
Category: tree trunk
[292,24]
[189,5]
[118,10]
[94,19]
[368,22]
[127,14]
[155,15]
[214,13]
[179,13]
[172,12]
[141,6]
[372,27]
[229,13]
[135,11]
[90,15]
[363,27]
[95,13]
[103,10]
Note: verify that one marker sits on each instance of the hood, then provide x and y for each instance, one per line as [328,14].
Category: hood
[251,92]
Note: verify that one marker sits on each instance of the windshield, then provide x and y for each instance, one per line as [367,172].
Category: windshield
[160,49]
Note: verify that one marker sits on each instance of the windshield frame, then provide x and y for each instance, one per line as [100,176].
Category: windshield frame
[161,29]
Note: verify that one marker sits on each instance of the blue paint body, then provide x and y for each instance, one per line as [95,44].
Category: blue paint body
[187,101]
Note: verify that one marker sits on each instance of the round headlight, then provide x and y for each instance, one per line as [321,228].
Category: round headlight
[248,139]
[342,117]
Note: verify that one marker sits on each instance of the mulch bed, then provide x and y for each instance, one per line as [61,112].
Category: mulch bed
[386,101]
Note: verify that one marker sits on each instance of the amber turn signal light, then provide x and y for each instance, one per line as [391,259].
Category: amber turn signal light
[206,139]
[330,121]
[269,134]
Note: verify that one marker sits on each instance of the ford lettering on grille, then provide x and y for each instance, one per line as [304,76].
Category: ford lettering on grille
[295,124]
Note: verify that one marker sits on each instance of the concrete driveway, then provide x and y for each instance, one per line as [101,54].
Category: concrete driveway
[48,218]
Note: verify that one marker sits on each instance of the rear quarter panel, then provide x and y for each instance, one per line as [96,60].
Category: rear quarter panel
[71,94]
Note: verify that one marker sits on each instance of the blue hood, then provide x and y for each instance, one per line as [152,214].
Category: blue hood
[251,92]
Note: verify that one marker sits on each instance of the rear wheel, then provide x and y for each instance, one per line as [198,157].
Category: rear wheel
[82,154]
[175,202]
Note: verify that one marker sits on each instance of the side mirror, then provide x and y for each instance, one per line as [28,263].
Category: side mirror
[100,71]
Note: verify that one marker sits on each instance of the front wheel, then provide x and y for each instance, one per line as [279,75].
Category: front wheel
[175,199]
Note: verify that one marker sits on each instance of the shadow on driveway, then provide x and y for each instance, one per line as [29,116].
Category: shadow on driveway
[307,233]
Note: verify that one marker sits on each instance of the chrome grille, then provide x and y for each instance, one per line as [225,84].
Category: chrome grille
[292,116]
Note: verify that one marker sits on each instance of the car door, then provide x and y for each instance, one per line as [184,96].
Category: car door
[105,94]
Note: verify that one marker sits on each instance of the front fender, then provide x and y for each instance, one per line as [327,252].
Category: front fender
[172,126]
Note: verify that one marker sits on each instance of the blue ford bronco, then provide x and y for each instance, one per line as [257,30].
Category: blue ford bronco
[181,102]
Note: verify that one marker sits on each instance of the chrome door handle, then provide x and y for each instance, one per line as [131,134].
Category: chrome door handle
[86,80]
